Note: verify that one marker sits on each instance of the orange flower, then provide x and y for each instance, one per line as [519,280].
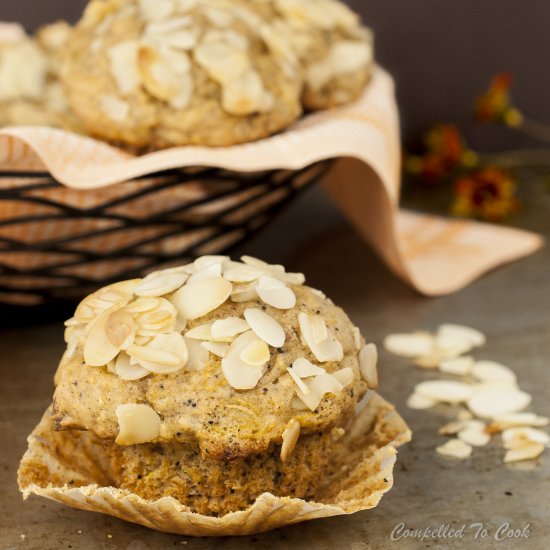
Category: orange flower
[495,105]
[487,194]
[445,151]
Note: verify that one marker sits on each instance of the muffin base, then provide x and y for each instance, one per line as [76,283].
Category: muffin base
[71,468]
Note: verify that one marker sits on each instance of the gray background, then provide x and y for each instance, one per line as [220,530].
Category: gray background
[442,52]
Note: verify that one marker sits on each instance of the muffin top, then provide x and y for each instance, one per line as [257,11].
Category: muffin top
[227,354]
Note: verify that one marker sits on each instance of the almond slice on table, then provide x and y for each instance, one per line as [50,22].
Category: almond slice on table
[201,297]
[230,327]
[410,345]
[445,391]
[275,293]
[124,369]
[419,402]
[512,420]
[265,327]
[529,451]
[490,402]
[516,437]
[489,371]
[473,336]
[368,358]
[328,350]
[459,366]
[455,448]
[291,434]
[240,375]
[137,424]
[474,433]
[453,427]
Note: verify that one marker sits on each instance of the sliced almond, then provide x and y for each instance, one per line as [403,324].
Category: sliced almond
[98,349]
[200,332]
[318,329]
[452,428]
[247,95]
[208,260]
[515,437]
[265,327]
[487,403]
[318,387]
[445,391]
[239,374]
[473,336]
[114,108]
[255,354]
[410,345]
[345,376]
[223,62]
[245,293]
[198,355]
[275,293]
[474,433]
[206,272]
[229,327]
[161,283]
[455,448]
[201,297]
[419,402]
[153,10]
[304,368]
[137,424]
[217,348]
[298,381]
[358,339]
[123,58]
[126,371]
[121,329]
[503,421]
[159,74]
[368,357]
[489,371]
[529,451]
[459,366]
[291,434]
[141,305]
[328,350]
[165,354]
[240,273]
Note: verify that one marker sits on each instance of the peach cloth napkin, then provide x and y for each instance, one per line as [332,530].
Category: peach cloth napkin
[434,255]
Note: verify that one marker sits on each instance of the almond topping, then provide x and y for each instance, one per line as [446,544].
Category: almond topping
[229,327]
[290,437]
[265,327]
[328,350]
[160,283]
[124,369]
[137,424]
[239,374]
[368,357]
[275,293]
[121,329]
[255,354]
[201,297]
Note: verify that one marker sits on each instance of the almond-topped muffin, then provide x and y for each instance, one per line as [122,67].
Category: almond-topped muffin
[158,73]
[30,91]
[213,382]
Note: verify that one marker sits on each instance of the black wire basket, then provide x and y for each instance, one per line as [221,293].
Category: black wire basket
[59,244]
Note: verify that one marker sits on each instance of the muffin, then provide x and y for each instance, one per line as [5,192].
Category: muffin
[213,383]
[149,74]
[30,91]
[160,73]
[332,46]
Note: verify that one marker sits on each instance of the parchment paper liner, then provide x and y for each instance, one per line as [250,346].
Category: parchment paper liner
[65,467]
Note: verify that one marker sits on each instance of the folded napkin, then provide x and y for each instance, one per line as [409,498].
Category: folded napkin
[434,255]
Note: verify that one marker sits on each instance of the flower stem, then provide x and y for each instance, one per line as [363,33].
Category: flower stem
[534,129]
[518,158]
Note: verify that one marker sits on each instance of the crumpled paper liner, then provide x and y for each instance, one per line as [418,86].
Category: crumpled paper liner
[69,467]
[434,255]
